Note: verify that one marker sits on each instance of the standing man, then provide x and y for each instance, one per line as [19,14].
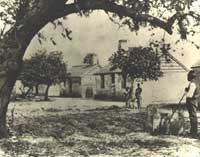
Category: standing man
[192,95]
[138,96]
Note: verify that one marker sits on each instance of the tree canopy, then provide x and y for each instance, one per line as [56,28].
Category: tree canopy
[166,14]
[42,68]
[137,63]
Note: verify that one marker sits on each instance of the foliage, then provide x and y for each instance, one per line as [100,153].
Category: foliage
[53,68]
[43,68]
[183,14]
[137,63]
[14,11]
[30,75]
[11,12]
[119,96]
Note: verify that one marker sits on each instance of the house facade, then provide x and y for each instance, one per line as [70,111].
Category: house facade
[168,89]
[81,81]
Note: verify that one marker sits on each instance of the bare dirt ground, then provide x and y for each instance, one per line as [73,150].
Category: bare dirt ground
[67,127]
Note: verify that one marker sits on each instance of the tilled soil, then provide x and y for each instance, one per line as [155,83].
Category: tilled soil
[101,131]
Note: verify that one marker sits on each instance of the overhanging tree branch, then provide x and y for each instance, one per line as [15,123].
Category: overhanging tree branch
[120,10]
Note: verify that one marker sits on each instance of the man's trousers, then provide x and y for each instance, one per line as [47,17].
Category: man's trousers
[191,105]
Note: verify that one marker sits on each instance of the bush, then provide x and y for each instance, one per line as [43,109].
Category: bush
[101,96]
[72,95]
[64,93]
[119,96]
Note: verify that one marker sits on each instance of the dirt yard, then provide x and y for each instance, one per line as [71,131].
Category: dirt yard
[68,127]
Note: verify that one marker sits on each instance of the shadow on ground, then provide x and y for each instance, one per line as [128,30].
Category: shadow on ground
[107,131]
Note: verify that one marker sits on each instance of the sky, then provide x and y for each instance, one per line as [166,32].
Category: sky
[97,34]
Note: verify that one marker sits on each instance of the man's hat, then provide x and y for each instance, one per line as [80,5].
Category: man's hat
[191,75]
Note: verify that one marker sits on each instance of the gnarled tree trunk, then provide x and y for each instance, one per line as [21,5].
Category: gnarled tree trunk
[4,100]
[7,80]
[12,49]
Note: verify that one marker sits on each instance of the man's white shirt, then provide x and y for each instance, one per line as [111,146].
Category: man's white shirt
[192,88]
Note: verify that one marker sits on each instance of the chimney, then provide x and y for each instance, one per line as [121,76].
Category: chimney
[121,43]
[95,59]
[91,59]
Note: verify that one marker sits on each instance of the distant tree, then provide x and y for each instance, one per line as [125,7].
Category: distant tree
[138,63]
[90,59]
[54,70]
[31,71]
[28,77]
[43,68]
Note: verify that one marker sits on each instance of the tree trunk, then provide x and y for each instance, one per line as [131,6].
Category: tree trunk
[12,49]
[3,127]
[132,88]
[37,90]
[28,91]
[6,84]
[25,93]
[46,93]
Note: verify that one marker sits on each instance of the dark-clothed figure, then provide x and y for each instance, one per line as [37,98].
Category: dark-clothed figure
[113,90]
[138,96]
[192,94]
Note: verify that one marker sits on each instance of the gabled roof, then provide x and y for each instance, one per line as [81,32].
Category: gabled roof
[107,70]
[80,70]
[173,66]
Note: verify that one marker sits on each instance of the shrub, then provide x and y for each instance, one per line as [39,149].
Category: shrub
[119,96]
[64,93]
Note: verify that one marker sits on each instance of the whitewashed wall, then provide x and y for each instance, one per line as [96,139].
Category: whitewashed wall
[88,81]
[168,89]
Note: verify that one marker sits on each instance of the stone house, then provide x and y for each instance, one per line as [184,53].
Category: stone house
[81,81]
[168,89]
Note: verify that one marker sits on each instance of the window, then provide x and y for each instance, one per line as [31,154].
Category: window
[102,81]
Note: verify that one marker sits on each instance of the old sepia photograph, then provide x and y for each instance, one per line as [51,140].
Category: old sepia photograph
[99,78]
